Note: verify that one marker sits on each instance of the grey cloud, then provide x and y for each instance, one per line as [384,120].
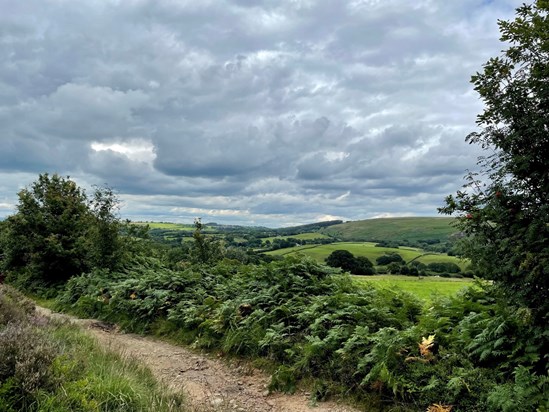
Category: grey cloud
[266,104]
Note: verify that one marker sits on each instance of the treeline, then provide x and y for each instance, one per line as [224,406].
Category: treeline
[283,243]
[394,264]
[311,227]
[449,246]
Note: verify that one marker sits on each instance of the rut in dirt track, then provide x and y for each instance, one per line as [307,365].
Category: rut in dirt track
[209,384]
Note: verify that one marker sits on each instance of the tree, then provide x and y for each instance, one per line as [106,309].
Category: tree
[46,237]
[341,259]
[58,233]
[363,266]
[205,249]
[394,268]
[390,258]
[345,260]
[504,209]
[105,243]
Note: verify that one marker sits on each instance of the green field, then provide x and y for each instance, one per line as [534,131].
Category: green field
[302,236]
[412,229]
[425,288]
[167,226]
[368,249]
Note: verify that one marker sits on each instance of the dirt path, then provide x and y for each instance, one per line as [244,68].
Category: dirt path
[210,384]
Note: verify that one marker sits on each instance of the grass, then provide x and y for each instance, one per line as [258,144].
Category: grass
[425,288]
[394,229]
[52,366]
[368,249]
[108,381]
[166,225]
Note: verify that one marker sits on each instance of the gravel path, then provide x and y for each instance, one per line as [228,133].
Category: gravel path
[209,383]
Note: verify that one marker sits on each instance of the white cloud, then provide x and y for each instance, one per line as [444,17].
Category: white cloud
[134,149]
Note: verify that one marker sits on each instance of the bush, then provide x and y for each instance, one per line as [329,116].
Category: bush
[389,258]
[345,260]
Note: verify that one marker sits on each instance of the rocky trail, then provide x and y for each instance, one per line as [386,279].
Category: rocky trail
[210,384]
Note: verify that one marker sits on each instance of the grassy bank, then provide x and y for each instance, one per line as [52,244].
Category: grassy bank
[49,366]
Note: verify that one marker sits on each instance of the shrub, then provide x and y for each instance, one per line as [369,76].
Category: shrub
[389,258]
[345,260]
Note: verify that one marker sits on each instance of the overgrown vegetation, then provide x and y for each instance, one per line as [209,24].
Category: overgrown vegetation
[313,322]
[52,366]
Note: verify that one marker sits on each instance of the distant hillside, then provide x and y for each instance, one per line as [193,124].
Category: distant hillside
[411,229]
[311,227]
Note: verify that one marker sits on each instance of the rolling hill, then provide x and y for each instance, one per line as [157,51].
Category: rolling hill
[410,229]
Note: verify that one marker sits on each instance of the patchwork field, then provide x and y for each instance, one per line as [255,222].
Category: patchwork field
[368,249]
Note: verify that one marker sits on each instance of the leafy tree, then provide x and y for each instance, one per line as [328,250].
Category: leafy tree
[404,270]
[363,266]
[341,259]
[504,210]
[345,260]
[106,247]
[205,249]
[393,268]
[57,233]
[390,258]
[46,237]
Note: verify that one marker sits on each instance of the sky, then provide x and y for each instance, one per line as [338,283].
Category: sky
[267,112]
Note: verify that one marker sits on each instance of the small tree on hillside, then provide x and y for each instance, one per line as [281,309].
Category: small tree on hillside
[390,258]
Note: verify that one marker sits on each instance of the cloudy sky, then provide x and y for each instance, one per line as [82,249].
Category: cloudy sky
[267,112]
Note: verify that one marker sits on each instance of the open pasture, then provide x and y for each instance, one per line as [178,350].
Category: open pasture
[425,288]
[167,226]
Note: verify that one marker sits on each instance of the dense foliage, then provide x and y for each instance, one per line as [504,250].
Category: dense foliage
[390,258]
[58,233]
[357,265]
[311,321]
[505,211]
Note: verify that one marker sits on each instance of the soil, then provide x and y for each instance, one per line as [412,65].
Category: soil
[210,384]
